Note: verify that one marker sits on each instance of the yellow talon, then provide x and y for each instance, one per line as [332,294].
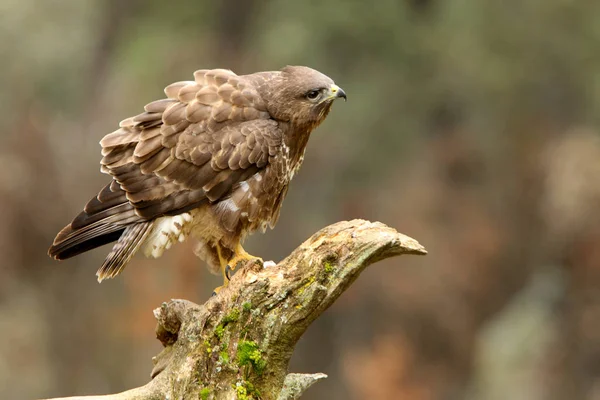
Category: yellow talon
[217,290]
[227,267]
[223,263]
[240,256]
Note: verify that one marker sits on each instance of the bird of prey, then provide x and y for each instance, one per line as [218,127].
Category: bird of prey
[212,161]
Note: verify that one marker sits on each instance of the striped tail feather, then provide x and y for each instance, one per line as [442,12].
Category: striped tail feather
[69,242]
[105,218]
[125,248]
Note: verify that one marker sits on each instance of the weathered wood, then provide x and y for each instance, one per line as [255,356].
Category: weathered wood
[239,343]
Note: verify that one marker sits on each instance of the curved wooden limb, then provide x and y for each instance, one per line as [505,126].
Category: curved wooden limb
[239,343]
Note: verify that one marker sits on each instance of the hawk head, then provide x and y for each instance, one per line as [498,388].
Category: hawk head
[302,96]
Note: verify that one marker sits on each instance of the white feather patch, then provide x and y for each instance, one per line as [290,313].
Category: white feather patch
[227,205]
[167,230]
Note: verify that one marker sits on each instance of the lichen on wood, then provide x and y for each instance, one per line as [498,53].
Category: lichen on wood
[239,343]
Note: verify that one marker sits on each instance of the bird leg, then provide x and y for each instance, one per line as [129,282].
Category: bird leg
[239,256]
[224,266]
[227,267]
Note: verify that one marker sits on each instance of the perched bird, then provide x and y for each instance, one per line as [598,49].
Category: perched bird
[212,161]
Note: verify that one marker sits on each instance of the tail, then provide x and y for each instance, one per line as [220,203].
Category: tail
[128,244]
[106,218]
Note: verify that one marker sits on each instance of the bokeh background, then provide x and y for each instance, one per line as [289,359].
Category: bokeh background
[473,126]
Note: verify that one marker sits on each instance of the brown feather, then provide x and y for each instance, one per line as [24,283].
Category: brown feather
[103,215]
[214,144]
[225,91]
[196,111]
[127,123]
[159,106]
[172,91]
[117,154]
[119,137]
[153,193]
[239,100]
[154,163]
[146,117]
[199,76]
[221,113]
[149,133]
[127,245]
[147,148]
[199,157]
[207,96]
[174,114]
[188,92]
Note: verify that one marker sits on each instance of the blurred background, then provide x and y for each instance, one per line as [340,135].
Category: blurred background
[472,126]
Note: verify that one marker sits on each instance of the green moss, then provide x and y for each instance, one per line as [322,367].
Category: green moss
[224,357]
[219,331]
[207,347]
[204,393]
[329,267]
[247,306]
[233,316]
[246,391]
[248,354]
[251,389]
[242,393]
[310,281]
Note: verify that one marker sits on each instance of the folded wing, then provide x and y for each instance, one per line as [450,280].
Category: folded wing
[195,146]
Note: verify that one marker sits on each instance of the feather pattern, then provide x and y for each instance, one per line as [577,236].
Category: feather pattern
[128,244]
[220,150]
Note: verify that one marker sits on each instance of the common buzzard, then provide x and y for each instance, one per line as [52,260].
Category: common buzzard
[213,160]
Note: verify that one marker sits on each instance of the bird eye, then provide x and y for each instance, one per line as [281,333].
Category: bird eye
[313,94]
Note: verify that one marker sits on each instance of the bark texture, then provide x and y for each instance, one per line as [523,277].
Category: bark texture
[239,343]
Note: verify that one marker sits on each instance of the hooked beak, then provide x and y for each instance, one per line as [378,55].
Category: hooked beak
[336,92]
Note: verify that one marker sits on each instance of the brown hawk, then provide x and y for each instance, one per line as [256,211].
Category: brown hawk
[213,161]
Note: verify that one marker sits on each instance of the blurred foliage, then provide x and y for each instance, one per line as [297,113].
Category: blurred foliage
[470,125]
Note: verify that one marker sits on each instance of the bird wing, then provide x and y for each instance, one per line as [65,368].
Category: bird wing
[208,135]
[197,145]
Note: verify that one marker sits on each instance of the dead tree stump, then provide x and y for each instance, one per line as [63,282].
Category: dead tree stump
[239,343]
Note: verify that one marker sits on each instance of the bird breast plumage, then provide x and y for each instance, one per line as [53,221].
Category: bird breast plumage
[254,204]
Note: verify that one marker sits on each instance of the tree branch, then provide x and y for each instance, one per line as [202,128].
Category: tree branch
[239,343]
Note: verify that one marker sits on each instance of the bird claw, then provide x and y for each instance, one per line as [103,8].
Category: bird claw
[217,290]
[243,259]
[229,271]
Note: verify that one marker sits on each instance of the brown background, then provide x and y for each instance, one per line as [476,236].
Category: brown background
[471,126]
